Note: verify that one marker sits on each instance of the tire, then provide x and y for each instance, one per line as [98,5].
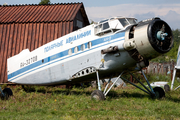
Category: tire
[97,95]
[159,92]
[7,93]
[166,88]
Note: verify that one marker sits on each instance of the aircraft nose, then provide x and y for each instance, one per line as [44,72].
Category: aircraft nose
[151,38]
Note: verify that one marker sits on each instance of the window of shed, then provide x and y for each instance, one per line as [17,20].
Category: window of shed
[79,24]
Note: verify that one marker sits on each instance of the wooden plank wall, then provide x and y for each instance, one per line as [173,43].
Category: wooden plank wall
[14,37]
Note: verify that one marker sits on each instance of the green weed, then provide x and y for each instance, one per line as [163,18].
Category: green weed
[75,104]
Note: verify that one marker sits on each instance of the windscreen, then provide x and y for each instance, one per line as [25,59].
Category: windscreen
[131,20]
[124,22]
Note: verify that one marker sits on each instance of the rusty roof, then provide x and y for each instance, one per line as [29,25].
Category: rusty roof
[40,13]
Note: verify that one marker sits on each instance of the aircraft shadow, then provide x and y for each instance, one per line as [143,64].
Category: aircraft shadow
[115,95]
[61,91]
[110,96]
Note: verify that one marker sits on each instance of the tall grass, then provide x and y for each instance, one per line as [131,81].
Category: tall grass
[75,104]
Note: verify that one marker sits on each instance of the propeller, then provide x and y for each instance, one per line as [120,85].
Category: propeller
[160,36]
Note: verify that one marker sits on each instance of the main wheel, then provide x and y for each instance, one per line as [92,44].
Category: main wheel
[159,92]
[97,95]
[7,93]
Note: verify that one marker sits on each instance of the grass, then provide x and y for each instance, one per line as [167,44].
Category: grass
[56,103]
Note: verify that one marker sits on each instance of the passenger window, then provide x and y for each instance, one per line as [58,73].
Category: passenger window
[89,45]
[82,47]
[75,49]
[70,52]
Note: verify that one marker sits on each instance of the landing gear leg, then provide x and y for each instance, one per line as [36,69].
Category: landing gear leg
[99,85]
[98,94]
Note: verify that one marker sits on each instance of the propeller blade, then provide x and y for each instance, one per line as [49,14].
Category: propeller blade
[163,28]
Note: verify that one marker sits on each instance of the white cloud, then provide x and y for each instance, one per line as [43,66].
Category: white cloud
[140,11]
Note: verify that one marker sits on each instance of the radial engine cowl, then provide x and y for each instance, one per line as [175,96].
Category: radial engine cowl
[151,37]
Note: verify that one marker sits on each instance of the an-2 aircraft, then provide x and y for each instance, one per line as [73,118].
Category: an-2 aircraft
[106,49]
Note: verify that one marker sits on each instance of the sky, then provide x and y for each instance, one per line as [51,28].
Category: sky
[96,10]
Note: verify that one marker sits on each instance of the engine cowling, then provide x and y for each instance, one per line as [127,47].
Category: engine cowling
[150,38]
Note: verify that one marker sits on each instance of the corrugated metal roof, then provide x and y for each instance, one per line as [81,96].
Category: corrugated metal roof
[31,26]
[39,13]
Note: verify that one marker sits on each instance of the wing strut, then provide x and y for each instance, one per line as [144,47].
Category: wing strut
[147,90]
[105,93]
[156,92]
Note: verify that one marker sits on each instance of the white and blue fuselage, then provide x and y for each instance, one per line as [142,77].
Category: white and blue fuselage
[77,56]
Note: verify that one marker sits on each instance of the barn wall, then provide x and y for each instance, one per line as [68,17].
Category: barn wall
[14,37]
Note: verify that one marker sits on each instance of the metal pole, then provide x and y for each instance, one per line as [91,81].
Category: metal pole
[172,83]
[107,85]
[140,83]
[99,85]
[135,85]
[148,82]
[113,84]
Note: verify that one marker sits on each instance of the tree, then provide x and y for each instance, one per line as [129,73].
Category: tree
[44,2]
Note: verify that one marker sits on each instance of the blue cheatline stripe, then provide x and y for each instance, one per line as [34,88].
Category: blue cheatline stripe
[63,54]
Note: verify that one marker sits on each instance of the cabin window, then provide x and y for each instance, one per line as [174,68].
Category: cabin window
[76,49]
[89,45]
[70,52]
[82,47]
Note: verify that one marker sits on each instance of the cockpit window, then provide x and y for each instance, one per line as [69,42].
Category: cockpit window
[105,26]
[102,28]
[131,20]
[124,22]
[98,28]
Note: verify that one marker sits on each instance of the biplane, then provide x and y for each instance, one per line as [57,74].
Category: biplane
[110,48]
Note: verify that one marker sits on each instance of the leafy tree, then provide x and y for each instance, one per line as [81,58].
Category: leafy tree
[44,2]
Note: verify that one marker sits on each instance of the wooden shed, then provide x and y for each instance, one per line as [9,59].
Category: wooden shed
[31,26]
